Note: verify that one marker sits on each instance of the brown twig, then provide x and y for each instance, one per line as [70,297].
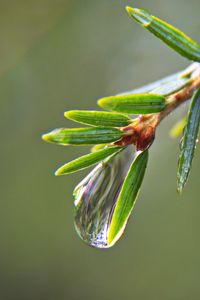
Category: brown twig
[141,131]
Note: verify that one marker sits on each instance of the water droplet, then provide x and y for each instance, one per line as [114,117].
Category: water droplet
[96,195]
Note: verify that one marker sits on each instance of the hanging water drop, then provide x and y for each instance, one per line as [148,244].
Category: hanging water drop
[96,196]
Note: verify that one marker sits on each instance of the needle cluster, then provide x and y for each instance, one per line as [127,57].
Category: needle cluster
[130,119]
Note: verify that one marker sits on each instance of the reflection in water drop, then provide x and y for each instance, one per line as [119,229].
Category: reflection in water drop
[96,195]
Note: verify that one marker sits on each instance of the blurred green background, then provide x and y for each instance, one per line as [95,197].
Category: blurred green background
[65,54]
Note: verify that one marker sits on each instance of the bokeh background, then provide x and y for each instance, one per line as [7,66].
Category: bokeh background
[61,55]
